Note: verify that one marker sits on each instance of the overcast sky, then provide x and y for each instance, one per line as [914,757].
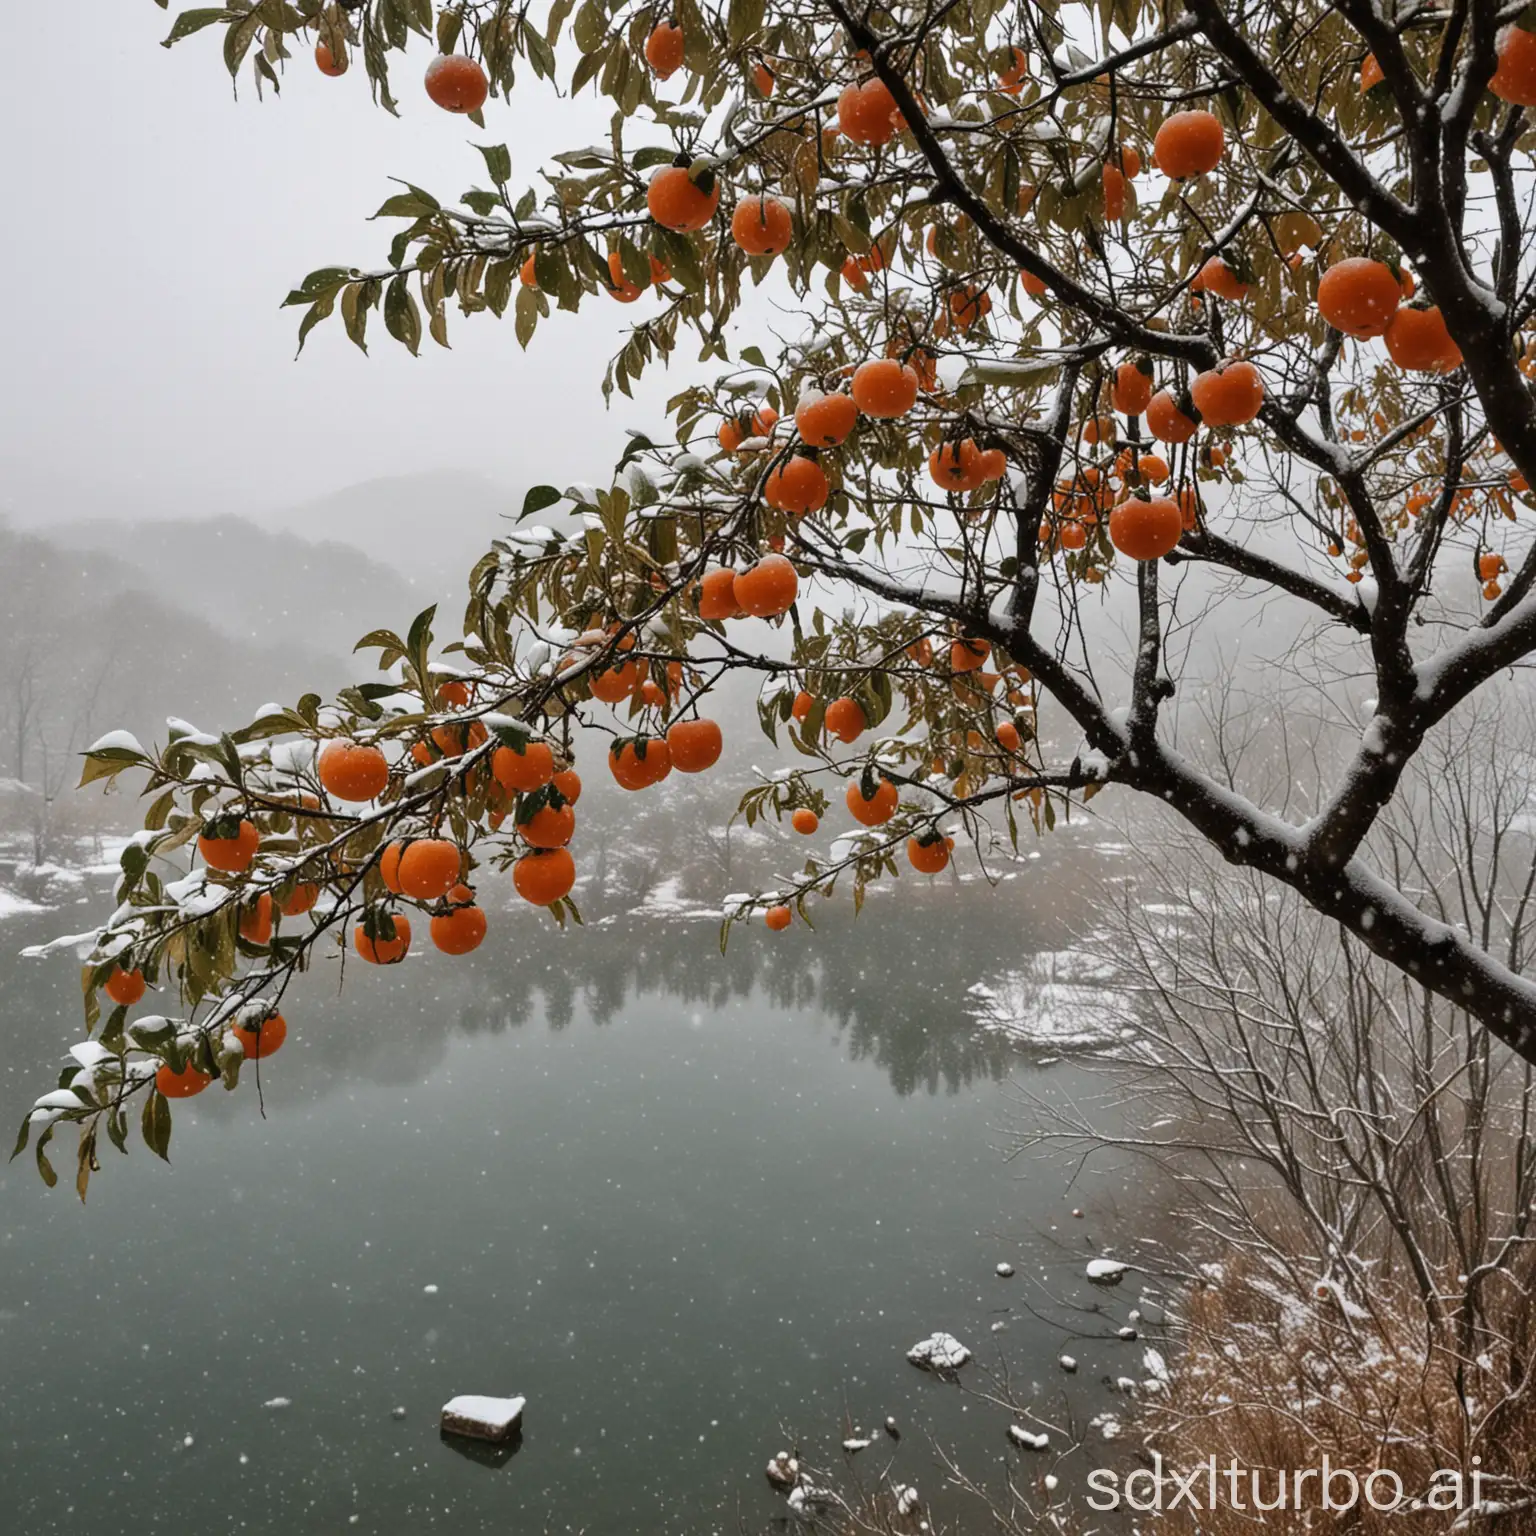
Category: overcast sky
[154,225]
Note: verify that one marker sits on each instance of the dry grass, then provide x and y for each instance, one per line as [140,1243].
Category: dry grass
[1278,1377]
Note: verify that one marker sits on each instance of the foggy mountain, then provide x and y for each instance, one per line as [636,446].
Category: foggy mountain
[253,583]
[89,642]
[430,528]
[425,530]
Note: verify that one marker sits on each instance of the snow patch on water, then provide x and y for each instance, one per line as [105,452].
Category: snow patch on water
[1060,999]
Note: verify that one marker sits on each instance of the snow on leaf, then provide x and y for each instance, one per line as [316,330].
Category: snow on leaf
[116,741]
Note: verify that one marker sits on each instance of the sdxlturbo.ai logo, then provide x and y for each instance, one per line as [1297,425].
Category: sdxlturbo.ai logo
[1263,1490]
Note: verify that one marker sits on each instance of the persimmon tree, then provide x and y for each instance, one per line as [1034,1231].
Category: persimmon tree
[1097,303]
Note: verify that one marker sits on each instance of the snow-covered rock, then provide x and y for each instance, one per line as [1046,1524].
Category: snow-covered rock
[483,1418]
[783,1470]
[1027,1439]
[939,1352]
[1004,1270]
[1106,1271]
[805,1499]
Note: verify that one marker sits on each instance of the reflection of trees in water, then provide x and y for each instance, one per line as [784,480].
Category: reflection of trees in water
[902,1000]
[893,981]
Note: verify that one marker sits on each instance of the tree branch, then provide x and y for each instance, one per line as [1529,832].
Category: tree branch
[1318,138]
[952,188]
[1211,549]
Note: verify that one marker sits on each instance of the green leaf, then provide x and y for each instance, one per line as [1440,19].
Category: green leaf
[745,20]
[638,444]
[383,637]
[86,1162]
[322,280]
[23,1136]
[156,1124]
[420,636]
[681,255]
[194,21]
[354,314]
[590,27]
[498,162]
[540,54]
[402,319]
[424,197]
[634,263]
[557,14]
[587,69]
[537,499]
[238,39]
[149,1034]
[320,310]
[653,154]
[404,205]
[108,763]
[268,725]
[499,278]
[134,860]
[112,1031]
[355,701]
[549,267]
[525,315]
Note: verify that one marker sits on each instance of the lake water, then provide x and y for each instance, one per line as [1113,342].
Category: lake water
[694,1208]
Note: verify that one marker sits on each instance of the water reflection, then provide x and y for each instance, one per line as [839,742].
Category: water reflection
[893,980]
[668,1195]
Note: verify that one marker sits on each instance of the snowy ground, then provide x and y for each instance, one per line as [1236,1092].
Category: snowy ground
[12,905]
[665,899]
[26,886]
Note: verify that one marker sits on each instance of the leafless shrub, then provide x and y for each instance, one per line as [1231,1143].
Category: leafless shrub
[1348,1161]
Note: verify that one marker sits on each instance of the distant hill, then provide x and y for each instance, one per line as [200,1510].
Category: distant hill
[90,643]
[428,527]
[256,583]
